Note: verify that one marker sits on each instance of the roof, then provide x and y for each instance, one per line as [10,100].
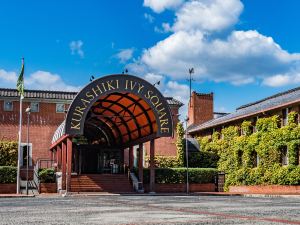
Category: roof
[193,145]
[62,95]
[60,131]
[272,102]
[173,101]
[6,92]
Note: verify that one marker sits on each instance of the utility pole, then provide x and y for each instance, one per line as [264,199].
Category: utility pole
[191,71]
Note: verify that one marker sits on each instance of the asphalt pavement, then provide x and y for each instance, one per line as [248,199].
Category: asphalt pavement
[118,209]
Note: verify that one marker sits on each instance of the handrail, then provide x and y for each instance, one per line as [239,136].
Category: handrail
[137,186]
[41,164]
[36,178]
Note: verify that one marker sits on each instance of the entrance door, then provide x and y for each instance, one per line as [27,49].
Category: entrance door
[97,160]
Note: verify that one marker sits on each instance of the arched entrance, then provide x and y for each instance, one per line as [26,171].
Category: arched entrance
[108,115]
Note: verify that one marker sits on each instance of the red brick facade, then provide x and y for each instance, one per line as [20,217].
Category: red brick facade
[266,189]
[201,108]
[166,146]
[42,125]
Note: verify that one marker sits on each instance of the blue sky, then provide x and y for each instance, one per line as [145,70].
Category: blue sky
[241,50]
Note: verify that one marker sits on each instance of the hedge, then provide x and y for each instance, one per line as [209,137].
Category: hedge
[8,153]
[238,152]
[178,175]
[47,175]
[8,174]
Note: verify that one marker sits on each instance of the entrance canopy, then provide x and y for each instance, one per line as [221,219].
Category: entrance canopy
[120,110]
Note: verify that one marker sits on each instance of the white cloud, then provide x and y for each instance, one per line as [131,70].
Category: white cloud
[240,59]
[40,80]
[174,55]
[207,15]
[166,28]
[159,6]
[196,41]
[282,79]
[8,77]
[179,92]
[125,54]
[153,78]
[149,17]
[76,48]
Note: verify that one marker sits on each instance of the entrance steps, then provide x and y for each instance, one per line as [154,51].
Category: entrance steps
[111,183]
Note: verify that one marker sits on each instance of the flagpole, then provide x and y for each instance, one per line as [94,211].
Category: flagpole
[19,146]
[20,88]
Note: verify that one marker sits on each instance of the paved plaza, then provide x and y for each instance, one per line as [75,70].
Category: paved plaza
[149,210]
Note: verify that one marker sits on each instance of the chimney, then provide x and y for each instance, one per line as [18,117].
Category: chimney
[201,108]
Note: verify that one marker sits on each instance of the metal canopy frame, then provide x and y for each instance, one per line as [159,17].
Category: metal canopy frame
[104,113]
[132,108]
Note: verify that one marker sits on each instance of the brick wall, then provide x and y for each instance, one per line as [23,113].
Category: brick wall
[42,126]
[166,146]
[173,188]
[8,188]
[200,108]
[44,123]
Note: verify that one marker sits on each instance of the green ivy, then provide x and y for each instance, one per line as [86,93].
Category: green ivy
[238,152]
[180,144]
[8,153]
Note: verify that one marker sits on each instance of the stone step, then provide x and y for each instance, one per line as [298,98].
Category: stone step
[118,183]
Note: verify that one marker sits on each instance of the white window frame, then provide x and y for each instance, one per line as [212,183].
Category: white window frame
[38,106]
[57,108]
[285,120]
[257,159]
[284,158]
[12,106]
[30,154]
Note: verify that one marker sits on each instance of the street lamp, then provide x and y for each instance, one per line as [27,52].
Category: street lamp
[187,155]
[28,110]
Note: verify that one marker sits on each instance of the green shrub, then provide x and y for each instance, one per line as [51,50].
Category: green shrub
[178,175]
[8,174]
[164,161]
[47,175]
[203,159]
[8,153]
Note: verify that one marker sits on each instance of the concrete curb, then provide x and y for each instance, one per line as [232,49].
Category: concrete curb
[16,196]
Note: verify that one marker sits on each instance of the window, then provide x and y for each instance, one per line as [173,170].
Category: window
[240,157]
[8,106]
[60,107]
[255,158]
[298,155]
[285,113]
[284,155]
[254,120]
[34,106]
[24,154]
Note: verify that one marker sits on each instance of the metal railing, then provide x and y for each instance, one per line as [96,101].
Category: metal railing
[41,164]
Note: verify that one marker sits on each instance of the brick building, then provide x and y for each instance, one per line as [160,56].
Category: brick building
[206,121]
[48,111]
[114,120]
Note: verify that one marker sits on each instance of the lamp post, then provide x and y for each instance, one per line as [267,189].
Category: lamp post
[187,156]
[28,110]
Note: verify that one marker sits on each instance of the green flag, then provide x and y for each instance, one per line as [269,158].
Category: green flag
[20,82]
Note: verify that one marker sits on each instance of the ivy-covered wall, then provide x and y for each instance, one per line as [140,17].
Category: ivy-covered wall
[205,158]
[238,153]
